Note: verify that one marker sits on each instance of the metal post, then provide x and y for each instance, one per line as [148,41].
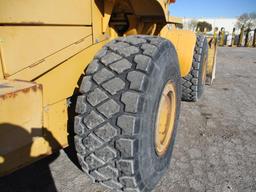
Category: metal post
[215,36]
[222,36]
[247,42]
[233,37]
[241,37]
[254,38]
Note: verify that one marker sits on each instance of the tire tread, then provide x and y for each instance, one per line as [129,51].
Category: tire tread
[119,73]
[191,83]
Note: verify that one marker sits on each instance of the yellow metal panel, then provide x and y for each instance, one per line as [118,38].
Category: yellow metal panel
[165,6]
[55,120]
[108,8]
[31,72]
[184,42]
[176,20]
[97,16]
[61,82]
[66,12]
[21,120]
[150,8]
[26,47]
[7,87]
[211,67]
[1,67]
[99,23]
[38,142]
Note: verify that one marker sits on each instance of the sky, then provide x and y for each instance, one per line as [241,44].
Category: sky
[212,8]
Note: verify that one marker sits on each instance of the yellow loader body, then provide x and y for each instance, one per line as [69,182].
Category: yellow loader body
[45,46]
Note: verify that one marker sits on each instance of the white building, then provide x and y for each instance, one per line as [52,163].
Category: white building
[227,23]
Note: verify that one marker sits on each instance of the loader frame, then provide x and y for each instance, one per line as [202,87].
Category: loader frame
[43,57]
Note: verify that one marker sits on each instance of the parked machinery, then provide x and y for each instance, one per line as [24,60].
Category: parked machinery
[241,37]
[254,38]
[108,74]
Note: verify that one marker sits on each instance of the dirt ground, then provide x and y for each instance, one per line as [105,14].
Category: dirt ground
[215,149]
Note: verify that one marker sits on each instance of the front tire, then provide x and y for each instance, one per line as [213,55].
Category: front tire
[116,125]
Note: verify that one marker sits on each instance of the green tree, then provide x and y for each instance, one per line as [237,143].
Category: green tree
[248,20]
[202,25]
[192,24]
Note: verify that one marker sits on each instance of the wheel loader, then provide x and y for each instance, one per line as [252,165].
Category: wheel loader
[104,76]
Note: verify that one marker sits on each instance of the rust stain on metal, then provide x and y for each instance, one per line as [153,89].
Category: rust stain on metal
[37,87]
[26,90]
[7,75]
[8,95]
[13,94]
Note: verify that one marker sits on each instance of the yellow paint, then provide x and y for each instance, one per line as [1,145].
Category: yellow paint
[150,7]
[40,146]
[233,37]
[55,56]
[62,64]
[112,33]
[20,115]
[53,60]
[2,160]
[37,131]
[134,23]
[108,8]
[165,119]
[61,12]
[61,82]
[184,42]
[97,19]
[211,67]
[53,45]
[241,36]
[175,20]
[1,65]
[149,28]
[55,120]
[164,5]
[222,37]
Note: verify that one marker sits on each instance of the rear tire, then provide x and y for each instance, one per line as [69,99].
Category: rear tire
[193,83]
[115,125]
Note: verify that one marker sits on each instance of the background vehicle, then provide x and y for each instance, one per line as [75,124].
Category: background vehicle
[113,68]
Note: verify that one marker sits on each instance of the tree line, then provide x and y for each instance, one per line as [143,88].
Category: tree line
[246,20]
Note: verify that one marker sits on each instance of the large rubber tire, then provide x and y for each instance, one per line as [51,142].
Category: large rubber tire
[117,110]
[193,83]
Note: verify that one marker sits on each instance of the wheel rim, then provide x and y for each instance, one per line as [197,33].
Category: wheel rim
[165,119]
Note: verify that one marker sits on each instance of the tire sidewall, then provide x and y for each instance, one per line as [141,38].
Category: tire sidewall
[151,165]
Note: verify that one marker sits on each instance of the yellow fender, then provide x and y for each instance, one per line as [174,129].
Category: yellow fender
[184,42]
